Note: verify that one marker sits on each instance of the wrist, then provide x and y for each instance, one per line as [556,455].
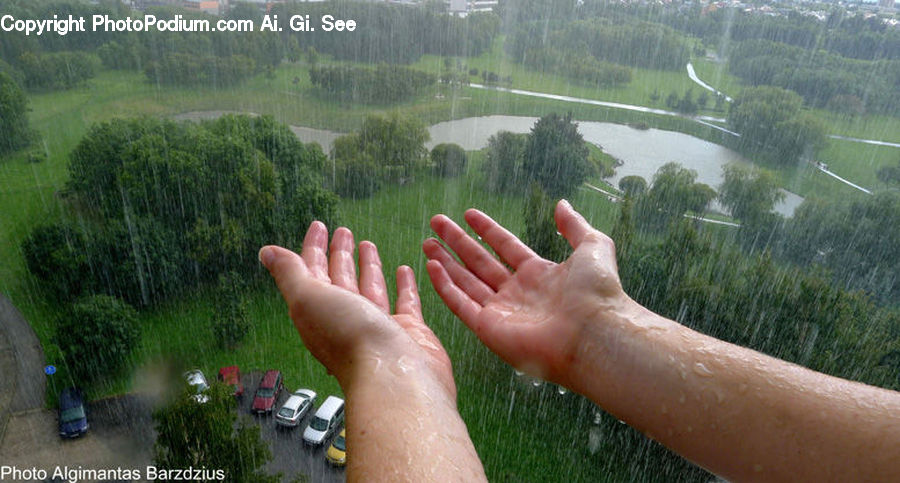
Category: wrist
[619,336]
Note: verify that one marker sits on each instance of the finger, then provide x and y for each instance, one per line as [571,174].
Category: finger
[455,299]
[371,278]
[314,254]
[289,271]
[461,276]
[510,249]
[571,224]
[408,293]
[341,266]
[484,265]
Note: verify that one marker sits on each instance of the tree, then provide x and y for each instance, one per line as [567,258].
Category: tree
[230,321]
[633,186]
[771,124]
[556,156]
[889,175]
[748,194]
[209,437]
[540,227]
[395,143]
[502,166]
[448,160]
[673,193]
[55,254]
[14,131]
[97,336]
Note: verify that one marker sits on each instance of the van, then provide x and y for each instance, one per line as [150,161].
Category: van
[326,420]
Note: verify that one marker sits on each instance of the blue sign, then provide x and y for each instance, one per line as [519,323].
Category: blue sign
[50,370]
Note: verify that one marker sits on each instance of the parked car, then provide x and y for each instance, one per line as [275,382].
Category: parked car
[72,416]
[198,382]
[337,452]
[267,392]
[231,375]
[328,418]
[295,408]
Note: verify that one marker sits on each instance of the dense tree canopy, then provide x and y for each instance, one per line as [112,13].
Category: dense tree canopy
[448,160]
[748,194]
[502,166]
[771,125]
[384,84]
[210,437]
[674,192]
[555,155]
[172,204]
[14,130]
[97,336]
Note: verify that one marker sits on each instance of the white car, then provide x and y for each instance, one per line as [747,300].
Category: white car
[295,407]
[198,382]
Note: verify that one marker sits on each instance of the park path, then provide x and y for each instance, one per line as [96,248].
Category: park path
[693,75]
[22,382]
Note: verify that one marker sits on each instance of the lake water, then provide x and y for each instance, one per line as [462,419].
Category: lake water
[641,152]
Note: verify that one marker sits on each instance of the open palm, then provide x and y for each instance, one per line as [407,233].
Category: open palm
[345,321]
[534,315]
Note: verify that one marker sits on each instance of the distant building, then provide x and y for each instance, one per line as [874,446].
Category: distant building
[206,6]
[462,8]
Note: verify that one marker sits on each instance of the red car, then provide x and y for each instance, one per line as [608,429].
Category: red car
[231,375]
[267,392]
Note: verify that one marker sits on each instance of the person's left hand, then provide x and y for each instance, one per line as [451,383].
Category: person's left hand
[346,322]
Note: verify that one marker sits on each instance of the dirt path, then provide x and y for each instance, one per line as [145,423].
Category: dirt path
[28,372]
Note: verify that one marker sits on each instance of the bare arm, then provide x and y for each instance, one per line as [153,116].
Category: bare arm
[736,412]
[402,422]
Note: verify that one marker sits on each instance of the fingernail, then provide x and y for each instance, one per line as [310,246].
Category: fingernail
[266,256]
[565,202]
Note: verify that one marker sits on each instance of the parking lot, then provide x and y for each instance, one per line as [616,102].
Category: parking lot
[290,455]
[122,435]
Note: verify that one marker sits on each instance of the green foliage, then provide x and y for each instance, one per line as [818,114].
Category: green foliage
[633,185]
[127,54]
[748,194]
[448,160]
[230,321]
[624,41]
[59,70]
[55,254]
[623,231]
[750,301]
[14,131]
[890,175]
[502,166]
[540,227]
[97,336]
[858,242]
[185,69]
[384,84]
[225,188]
[772,126]
[673,193]
[211,436]
[579,66]
[555,155]
[393,34]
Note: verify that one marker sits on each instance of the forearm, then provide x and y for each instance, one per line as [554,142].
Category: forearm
[739,413]
[401,426]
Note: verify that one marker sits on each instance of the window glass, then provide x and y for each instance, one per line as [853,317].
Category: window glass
[743,155]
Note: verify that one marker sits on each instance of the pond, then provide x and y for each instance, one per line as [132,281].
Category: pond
[641,152]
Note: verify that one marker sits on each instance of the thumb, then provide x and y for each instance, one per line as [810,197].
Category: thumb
[571,224]
[288,270]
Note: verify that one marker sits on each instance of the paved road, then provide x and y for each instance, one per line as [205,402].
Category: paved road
[29,357]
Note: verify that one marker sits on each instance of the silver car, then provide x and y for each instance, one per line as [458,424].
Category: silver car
[295,407]
[198,382]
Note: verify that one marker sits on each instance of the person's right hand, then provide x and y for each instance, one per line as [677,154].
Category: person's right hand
[535,315]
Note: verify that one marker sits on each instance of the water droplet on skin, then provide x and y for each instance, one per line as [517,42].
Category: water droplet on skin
[558,234]
[621,422]
[702,370]
[518,372]
[536,382]
[561,390]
